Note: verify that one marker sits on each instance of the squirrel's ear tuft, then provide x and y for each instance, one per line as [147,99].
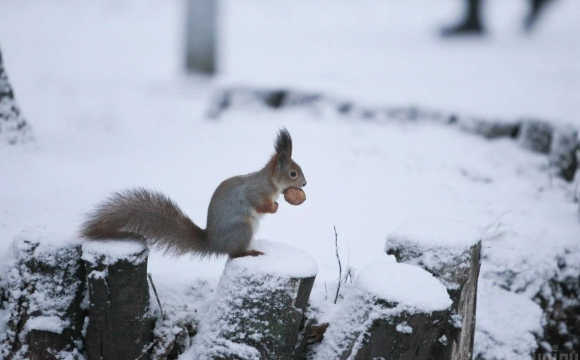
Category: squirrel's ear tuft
[282,160]
[283,142]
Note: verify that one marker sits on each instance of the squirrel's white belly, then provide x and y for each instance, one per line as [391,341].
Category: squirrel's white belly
[256,218]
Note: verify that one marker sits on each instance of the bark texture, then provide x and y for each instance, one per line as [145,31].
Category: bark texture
[119,322]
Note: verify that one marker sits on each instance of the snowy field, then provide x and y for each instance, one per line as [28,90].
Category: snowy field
[101,83]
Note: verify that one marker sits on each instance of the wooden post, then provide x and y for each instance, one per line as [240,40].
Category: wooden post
[120,322]
[201,36]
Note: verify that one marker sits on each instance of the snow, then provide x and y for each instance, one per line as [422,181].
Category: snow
[108,252]
[436,232]
[278,259]
[101,83]
[510,323]
[52,324]
[407,285]
[436,245]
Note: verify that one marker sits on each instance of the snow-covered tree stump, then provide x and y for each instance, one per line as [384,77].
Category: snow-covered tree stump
[42,299]
[259,307]
[394,311]
[13,126]
[201,37]
[120,321]
[490,129]
[451,251]
[536,135]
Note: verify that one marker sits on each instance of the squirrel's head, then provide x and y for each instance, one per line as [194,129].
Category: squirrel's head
[286,172]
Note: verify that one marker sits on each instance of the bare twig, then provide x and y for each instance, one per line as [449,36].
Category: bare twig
[339,264]
[146,350]
[348,275]
[156,295]
[348,268]
[325,291]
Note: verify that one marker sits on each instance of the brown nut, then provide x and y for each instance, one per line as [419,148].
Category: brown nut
[294,196]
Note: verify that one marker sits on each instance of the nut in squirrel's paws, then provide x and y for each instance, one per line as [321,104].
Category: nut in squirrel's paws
[294,196]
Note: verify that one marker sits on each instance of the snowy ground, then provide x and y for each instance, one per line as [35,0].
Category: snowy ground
[101,82]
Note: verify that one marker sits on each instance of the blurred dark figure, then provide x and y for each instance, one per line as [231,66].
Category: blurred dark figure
[472,23]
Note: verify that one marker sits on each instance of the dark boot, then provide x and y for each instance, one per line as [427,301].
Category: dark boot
[471,25]
[536,7]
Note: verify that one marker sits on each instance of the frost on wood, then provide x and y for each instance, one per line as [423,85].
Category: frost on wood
[259,307]
[451,251]
[120,323]
[13,126]
[41,297]
[393,311]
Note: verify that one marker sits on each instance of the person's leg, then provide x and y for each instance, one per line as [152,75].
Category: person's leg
[471,24]
[536,7]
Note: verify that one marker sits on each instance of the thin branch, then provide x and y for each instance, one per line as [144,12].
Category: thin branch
[339,264]
[156,295]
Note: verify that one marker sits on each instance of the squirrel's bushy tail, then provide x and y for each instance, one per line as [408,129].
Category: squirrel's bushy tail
[149,216]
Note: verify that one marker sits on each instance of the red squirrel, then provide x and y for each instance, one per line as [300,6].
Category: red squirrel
[233,216]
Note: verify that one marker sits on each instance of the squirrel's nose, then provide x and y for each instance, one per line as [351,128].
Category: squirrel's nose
[304,184]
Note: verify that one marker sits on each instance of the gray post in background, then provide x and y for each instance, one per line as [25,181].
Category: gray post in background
[201,37]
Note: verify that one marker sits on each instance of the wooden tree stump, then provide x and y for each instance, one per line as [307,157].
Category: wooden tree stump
[120,321]
[259,306]
[451,251]
[394,311]
[43,298]
[536,135]
[563,157]
[490,129]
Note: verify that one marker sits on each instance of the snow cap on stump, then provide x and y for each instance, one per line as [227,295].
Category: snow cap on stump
[433,244]
[408,286]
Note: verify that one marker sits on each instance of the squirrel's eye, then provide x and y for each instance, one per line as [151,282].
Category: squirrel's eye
[293,173]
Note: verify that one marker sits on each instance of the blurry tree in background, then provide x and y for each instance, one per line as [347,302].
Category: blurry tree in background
[201,36]
[472,23]
[13,126]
